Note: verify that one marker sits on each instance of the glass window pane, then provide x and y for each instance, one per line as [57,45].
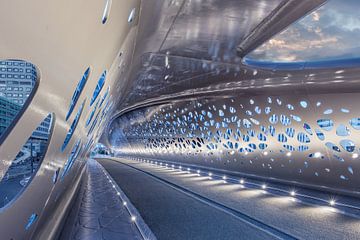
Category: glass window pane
[23,168]
[13,97]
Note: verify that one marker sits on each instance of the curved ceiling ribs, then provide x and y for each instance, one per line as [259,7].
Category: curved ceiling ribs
[199,63]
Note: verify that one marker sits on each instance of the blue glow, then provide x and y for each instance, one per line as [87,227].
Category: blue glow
[26,163]
[104,97]
[77,92]
[33,217]
[73,156]
[72,127]
[13,96]
[98,87]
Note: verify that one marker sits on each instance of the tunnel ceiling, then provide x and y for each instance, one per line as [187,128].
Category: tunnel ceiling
[181,45]
[193,53]
[187,49]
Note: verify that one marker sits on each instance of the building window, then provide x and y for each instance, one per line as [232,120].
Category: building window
[25,165]
[11,103]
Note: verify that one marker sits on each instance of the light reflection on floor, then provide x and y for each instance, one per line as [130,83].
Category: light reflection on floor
[241,191]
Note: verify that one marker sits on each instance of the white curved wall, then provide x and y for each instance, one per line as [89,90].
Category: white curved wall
[62,38]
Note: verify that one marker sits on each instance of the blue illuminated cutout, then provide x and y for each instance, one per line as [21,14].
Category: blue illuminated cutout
[93,124]
[33,217]
[77,92]
[18,82]
[73,156]
[98,87]
[72,127]
[90,117]
[104,97]
[88,120]
[27,162]
[327,37]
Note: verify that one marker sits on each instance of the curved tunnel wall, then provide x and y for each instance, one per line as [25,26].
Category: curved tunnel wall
[71,45]
[305,139]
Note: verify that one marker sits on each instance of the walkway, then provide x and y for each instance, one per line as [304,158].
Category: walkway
[102,211]
[178,204]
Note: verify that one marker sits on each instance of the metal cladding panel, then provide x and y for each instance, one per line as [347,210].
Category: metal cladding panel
[62,40]
[305,139]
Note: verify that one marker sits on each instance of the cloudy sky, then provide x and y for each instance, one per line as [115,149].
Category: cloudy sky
[330,32]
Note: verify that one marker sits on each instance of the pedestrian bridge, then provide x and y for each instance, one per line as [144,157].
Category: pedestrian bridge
[179,119]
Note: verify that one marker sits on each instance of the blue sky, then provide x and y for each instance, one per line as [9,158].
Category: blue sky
[330,32]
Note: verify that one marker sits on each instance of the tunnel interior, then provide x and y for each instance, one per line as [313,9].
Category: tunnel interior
[179,119]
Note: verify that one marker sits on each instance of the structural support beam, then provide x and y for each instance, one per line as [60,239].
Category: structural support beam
[284,15]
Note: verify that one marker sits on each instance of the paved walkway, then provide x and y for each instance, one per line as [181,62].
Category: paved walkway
[102,211]
[177,204]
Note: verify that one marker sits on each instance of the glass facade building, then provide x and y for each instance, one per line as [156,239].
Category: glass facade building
[8,111]
[17,79]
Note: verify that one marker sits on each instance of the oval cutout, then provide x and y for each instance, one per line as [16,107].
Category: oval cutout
[18,82]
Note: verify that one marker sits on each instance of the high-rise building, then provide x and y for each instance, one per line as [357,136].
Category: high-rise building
[17,80]
[8,111]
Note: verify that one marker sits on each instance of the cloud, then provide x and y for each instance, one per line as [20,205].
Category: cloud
[332,31]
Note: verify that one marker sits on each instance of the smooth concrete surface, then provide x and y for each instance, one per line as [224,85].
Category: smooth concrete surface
[171,214]
[294,218]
